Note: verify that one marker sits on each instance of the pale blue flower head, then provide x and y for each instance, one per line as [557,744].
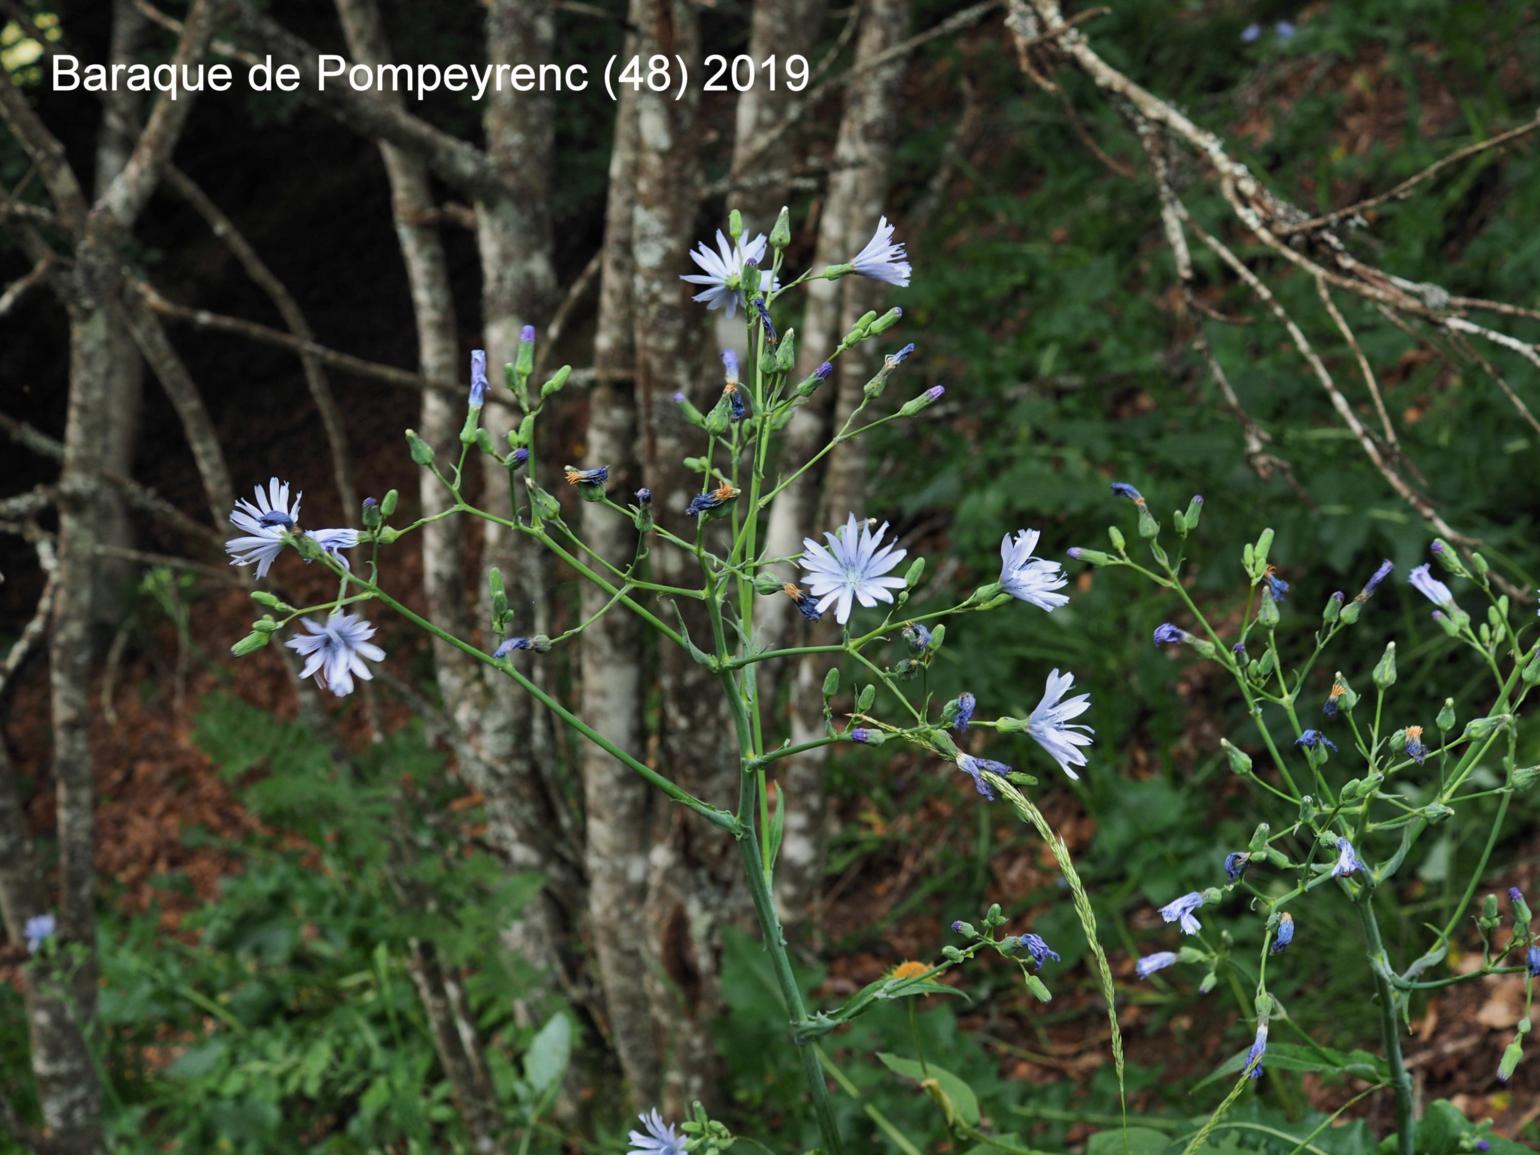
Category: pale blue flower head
[721,272]
[730,366]
[262,526]
[1030,579]
[1251,33]
[1313,739]
[1430,587]
[1380,574]
[336,650]
[1348,861]
[38,930]
[1050,725]
[333,541]
[854,566]
[1167,634]
[883,259]
[660,1137]
[1180,911]
[1151,963]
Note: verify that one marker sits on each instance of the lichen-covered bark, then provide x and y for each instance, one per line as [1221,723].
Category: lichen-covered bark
[694,881]
[858,188]
[617,804]
[780,29]
[518,279]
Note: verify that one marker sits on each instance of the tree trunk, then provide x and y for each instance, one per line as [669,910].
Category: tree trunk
[617,804]
[858,187]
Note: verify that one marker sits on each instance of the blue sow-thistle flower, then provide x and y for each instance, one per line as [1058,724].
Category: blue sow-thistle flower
[1275,584]
[1430,587]
[715,499]
[1414,745]
[1333,704]
[478,378]
[1284,935]
[661,1138]
[975,767]
[38,930]
[1314,740]
[764,319]
[1167,634]
[1533,961]
[1033,580]
[1035,947]
[644,496]
[1180,911]
[855,567]
[262,526]
[883,259]
[1151,963]
[1123,489]
[1348,861]
[519,457]
[722,271]
[1236,863]
[1379,575]
[1258,1049]
[335,651]
[1050,725]
[966,704]
[806,604]
[917,636]
[332,541]
[596,476]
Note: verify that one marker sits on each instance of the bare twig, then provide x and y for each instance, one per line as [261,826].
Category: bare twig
[25,283]
[1402,190]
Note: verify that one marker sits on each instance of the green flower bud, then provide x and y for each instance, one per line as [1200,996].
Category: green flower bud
[1208,982]
[861,329]
[250,644]
[766,584]
[1385,668]
[1510,1060]
[544,505]
[1149,528]
[831,683]
[1259,838]
[1115,536]
[388,503]
[1524,777]
[270,600]
[1488,917]
[924,401]
[265,625]
[1092,557]
[1267,611]
[1194,512]
[1350,613]
[1240,761]
[965,929]
[1521,914]
[1035,985]
[421,451]
[557,383]
[1531,672]
[994,917]
[1445,718]
[885,322]
[369,514]
[735,224]
[867,696]
[951,954]
[937,639]
[780,233]
[785,356]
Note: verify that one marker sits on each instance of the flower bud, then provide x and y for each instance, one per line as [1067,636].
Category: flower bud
[831,683]
[250,644]
[780,233]
[1524,777]
[544,505]
[1240,761]
[1445,718]
[885,322]
[735,224]
[1350,613]
[1510,1060]
[1115,536]
[785,356]
[867,696]
[1267,612]
[388,503]
[421,451]
[924,401]
[557,383]
[1208,982]
[1385,668]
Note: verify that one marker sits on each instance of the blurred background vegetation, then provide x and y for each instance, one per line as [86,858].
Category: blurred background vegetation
[255,993]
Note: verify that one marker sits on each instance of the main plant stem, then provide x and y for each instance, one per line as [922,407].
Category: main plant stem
[1400,1077]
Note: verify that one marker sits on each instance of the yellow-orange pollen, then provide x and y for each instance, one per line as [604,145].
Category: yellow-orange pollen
[726,492]
[1337,690]
[574,475]
[909,969]
[1414,733]
[792,591]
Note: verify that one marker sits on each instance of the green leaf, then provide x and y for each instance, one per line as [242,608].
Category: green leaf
[1141,1141]
[955,1096]
[1289,1057]
[548,1054]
